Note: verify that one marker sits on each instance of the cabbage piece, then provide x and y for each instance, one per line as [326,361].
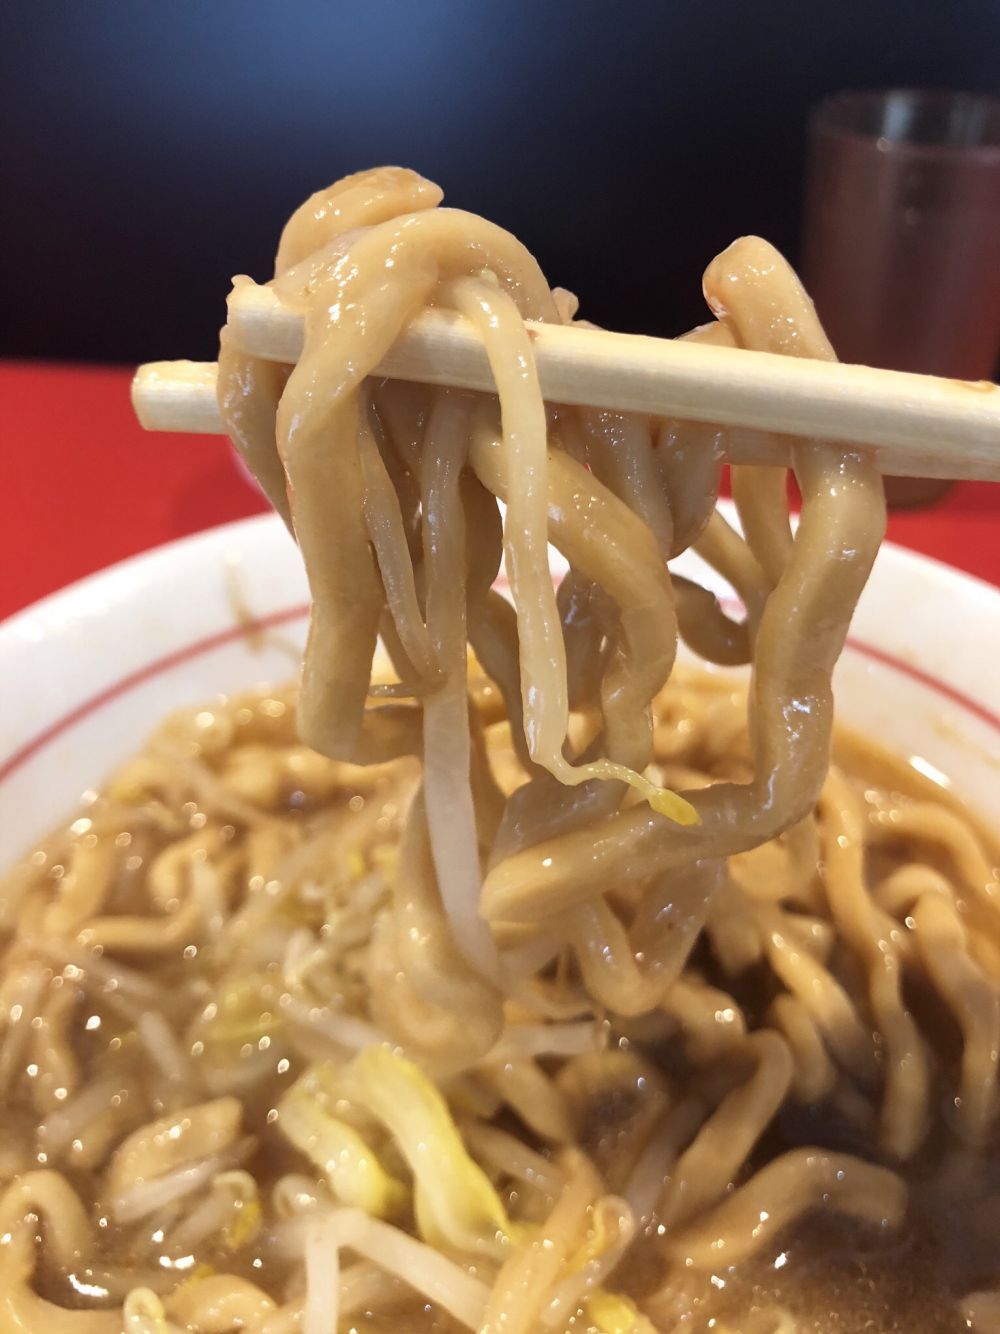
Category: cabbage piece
[455,1203]
[352,1168]
[610,1313]
[245,1010]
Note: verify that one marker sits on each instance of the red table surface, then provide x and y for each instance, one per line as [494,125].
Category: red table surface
[84,486]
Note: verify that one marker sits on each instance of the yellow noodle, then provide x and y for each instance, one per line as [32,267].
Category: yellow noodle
[783,1191]
[522,1283]
[706,1170]
[975,1002]
[904,1110]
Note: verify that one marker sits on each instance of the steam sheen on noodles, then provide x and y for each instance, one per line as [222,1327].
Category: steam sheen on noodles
[545,986]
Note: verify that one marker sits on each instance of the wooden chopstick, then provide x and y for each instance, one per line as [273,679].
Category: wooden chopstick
[913,425]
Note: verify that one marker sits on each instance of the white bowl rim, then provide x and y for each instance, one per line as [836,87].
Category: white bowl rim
[79,597]
[87,585]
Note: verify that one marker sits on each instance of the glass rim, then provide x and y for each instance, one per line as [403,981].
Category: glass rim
[835,117]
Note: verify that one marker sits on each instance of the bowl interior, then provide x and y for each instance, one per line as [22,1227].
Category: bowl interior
[86,674]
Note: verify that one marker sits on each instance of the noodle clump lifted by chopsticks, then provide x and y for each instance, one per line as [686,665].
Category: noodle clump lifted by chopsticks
[532,987]
[392,491]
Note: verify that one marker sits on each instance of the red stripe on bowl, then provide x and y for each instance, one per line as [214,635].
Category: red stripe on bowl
[152,669]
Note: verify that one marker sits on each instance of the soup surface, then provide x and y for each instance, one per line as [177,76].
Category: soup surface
[219,1095]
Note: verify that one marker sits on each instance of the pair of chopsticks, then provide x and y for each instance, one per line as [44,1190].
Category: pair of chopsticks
[912,425]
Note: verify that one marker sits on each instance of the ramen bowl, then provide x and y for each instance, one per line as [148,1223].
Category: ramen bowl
[86,674]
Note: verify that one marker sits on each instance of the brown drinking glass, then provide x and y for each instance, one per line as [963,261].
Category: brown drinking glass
[902,235]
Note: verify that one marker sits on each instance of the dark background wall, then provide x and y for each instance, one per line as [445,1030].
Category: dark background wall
[151,149]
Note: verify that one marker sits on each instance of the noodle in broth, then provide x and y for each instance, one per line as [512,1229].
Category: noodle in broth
[555,986]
